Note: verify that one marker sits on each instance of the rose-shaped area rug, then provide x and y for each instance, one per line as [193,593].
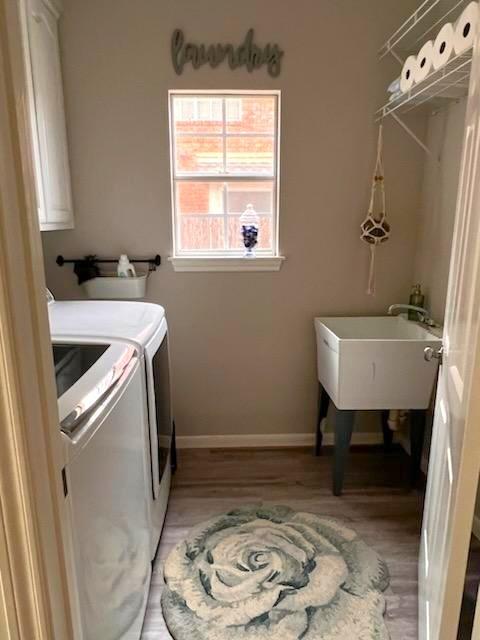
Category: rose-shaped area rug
[274,574]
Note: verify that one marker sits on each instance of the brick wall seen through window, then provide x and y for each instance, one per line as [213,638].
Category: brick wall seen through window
[224,158]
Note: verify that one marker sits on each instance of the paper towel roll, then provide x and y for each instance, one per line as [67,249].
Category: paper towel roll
[424,64]
[406,80]
[465,29]
[443,46]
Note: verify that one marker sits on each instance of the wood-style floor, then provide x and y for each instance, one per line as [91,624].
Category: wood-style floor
[375,503]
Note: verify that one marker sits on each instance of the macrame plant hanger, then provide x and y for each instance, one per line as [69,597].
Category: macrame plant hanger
[375,228]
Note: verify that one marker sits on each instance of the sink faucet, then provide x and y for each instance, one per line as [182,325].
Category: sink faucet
[423,314]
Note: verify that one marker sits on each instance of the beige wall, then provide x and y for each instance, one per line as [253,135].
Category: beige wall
[445,138]
[437,214]
[242,343]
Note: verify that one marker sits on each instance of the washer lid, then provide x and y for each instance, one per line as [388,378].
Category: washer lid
[85,374]
[72,361]
[135,321]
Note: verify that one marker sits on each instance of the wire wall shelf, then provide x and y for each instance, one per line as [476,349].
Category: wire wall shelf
[422,25]
[448,83]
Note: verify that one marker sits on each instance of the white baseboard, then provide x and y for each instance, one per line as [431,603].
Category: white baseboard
[476,526]
[268,440]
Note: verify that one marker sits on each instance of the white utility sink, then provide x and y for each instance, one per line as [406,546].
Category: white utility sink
[375,363]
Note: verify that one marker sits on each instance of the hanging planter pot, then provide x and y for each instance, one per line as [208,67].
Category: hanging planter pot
[375,228]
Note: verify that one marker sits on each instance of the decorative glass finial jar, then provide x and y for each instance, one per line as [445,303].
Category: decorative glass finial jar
[249,221]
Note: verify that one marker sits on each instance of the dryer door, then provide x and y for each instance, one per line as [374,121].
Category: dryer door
[163,413]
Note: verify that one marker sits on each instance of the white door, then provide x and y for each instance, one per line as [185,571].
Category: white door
[455,453]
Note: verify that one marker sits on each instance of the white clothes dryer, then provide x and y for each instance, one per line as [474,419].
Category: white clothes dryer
[144,325]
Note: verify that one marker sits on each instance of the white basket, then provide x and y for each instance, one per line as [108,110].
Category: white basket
[114,287]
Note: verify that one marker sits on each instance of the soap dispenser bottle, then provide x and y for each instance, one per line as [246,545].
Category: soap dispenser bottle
[125,268]
[417,299]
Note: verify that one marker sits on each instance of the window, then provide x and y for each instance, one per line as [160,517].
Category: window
[224,155]
[197,109]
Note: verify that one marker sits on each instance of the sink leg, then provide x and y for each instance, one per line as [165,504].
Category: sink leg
[387,432]
[418,420]
[323,402]
[343,434]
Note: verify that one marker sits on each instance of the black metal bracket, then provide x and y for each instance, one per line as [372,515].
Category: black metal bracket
[87,267]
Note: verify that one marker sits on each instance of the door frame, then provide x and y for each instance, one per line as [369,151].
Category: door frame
[34,598]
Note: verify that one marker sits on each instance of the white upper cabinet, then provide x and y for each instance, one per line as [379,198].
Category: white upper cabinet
[50,150]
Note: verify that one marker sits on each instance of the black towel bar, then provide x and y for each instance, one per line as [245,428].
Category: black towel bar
[92,259]
[86,268]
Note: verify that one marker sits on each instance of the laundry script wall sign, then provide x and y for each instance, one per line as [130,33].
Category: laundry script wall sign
[248,54]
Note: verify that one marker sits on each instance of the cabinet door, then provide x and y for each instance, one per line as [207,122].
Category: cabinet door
[51,161]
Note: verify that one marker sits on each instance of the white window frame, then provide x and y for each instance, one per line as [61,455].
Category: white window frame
[239,115]
[195,103]
[221,260]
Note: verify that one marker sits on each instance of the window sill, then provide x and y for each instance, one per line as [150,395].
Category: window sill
[271,263]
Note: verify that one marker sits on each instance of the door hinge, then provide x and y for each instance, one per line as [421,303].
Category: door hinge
[64,482]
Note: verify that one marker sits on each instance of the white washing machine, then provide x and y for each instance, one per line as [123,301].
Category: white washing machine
[103,418]
[143,325]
